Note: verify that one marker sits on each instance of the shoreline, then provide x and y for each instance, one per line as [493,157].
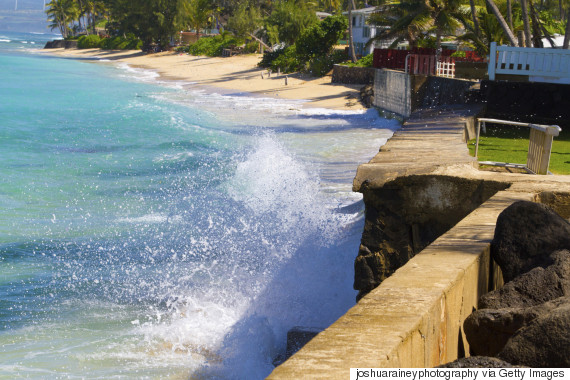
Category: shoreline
[238,73]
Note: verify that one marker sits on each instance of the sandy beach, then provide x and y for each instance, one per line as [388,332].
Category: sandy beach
[239,73]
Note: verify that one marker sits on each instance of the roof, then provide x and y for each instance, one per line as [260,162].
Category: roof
[367,10]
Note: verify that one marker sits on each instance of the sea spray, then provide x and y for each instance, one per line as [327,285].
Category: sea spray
[152,232]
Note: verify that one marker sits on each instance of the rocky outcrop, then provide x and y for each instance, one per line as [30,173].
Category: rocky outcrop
[525,236]
[407,214]
[535,287]
[527,322]
[367,95]
[477,362]
[60,44]
[544,342]
[489,330]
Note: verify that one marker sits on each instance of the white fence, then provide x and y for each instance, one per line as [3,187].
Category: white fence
[541,65]
[446,68]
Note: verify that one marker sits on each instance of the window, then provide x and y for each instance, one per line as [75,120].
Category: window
[366,32]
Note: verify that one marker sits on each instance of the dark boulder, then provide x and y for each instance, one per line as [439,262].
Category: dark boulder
[489,330]
[534,287]
[477,362]
[544,342]
[525,236]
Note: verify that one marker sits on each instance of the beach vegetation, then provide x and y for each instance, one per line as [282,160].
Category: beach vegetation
[288,20]
[88,42]
[213,46]
[245,21]
[62,15]
[195,14]
[130,42]
[313,51]
[365,61]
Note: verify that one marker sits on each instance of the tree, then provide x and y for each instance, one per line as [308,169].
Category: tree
[153,21]
[412,19]
[566,42]
[474,17]
[502,22]
[288,20]
[526,23]
[197,13]
[351,6]
[320,39]
[61,14]
[245,21]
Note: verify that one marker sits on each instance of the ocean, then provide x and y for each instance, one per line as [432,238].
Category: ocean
[154,229]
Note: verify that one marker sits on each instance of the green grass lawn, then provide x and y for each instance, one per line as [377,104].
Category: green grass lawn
[510,144]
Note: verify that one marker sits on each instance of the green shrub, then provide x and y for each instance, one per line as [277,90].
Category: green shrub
[365,61]
[321,65]
[120,43]
[213,46]
[88,42]
[269,57]
[288,61]
[318,40]
[251,47]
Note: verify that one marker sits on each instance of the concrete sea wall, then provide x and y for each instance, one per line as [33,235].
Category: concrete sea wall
[424,258]
[403,93]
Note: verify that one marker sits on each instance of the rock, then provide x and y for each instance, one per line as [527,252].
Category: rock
[535,287]
[59,44]
[367,95]
[297,337]
[526,234]
[489,330]
[544,342]
[477,362]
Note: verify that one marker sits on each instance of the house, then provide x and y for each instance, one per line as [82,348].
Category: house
[362,32]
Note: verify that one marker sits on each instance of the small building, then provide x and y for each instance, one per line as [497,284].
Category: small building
[362,32]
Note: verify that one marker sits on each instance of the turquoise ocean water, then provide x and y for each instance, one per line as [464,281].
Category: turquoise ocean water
[153,229]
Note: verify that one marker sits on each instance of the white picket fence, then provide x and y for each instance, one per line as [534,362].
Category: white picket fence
[446,68]
[540,64]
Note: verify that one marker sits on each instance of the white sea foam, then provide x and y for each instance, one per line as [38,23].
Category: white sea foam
[5,40]
[151,219]
[173,157]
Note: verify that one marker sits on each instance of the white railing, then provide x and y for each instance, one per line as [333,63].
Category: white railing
[446,68]
[541,65]
[539,146]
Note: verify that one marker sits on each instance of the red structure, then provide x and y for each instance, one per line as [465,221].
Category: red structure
[421,60]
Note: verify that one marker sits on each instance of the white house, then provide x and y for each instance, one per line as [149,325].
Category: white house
[362,32]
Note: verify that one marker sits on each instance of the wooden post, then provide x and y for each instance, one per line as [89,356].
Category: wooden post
[285,80]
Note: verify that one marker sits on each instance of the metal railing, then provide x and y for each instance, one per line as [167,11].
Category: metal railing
[539,148]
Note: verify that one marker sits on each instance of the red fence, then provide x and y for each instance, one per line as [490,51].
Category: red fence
[396,59]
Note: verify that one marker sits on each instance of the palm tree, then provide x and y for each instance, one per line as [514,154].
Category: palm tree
[404,20]
[351,6]
[61,14]
[411,19]
[502,22]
